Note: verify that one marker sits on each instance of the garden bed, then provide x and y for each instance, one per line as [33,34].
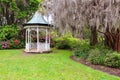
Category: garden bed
[112,71]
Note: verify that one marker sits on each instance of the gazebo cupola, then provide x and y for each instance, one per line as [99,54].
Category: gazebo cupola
[37,34]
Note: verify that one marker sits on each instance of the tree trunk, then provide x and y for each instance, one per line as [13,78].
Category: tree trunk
[73,31]
[93,38]
[112,39]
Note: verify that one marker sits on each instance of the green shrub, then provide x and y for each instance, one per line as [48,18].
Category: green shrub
[7,32]
[81,43]
[98,54]
[81,49]
[65,42]
[96,57]
[81,53]
[53,43]
[9,37]
[113,60]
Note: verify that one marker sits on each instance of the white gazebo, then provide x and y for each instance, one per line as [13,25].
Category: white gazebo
[35,27]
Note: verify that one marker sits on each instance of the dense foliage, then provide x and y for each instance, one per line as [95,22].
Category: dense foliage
[65,42]
[98,54]
[13,13]
[81,48]
[7,32]
[16,11]
[9,37]
[113,60]
[100,15]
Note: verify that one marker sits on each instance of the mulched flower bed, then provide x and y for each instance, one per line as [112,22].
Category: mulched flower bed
[112,71]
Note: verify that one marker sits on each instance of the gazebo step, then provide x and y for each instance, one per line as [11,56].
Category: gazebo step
[40,51]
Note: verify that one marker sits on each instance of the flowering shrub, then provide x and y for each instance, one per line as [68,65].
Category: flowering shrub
[5,45]
[16,41]
[12,44]
[11,37]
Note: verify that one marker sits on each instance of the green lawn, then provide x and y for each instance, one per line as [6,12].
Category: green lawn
[14,65]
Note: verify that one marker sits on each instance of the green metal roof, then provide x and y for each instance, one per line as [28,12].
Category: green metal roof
[38,18]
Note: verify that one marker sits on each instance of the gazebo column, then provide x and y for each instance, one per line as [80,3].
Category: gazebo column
[49,39]
[46,40]
[37,39]
[28,39]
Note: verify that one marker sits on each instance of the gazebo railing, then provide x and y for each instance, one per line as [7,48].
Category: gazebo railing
[37,47]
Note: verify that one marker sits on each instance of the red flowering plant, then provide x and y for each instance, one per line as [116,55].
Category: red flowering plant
[16,41]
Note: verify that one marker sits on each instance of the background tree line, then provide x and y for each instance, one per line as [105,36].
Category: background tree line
[100,17]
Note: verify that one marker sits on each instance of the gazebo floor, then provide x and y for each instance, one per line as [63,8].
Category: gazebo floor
[35,51]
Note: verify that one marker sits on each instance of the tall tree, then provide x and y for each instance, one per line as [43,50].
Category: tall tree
[100,15]
[66,16]
[15,11]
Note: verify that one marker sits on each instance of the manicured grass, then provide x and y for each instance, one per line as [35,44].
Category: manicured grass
[14,65]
